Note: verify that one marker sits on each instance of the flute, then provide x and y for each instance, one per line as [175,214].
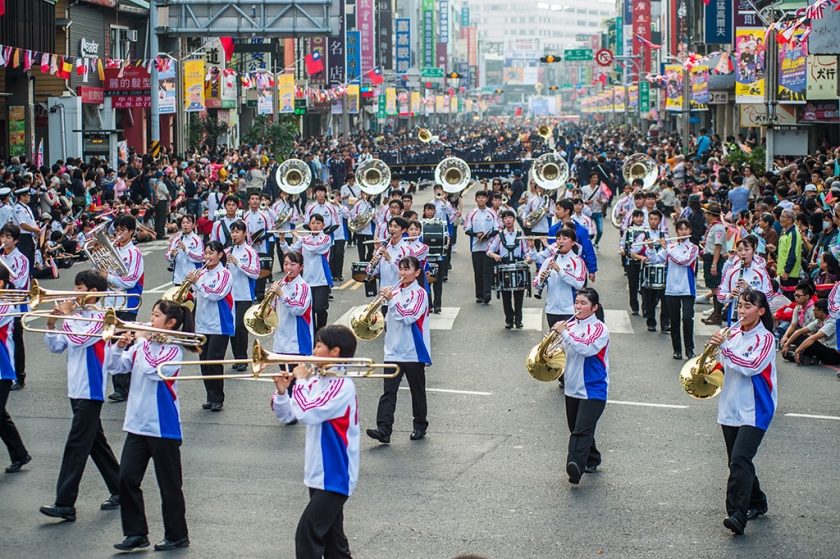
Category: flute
[650,241]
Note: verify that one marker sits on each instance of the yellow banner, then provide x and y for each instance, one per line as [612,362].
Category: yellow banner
[453,105]
[353,99]
[286,93]
[439,104]
[749,65]
[674,87]
[194,86]
[415,102]
[469,106]
[390,101]
[618,96]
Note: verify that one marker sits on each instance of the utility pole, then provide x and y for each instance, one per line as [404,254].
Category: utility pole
[686,109]
[770,92]
[153,51]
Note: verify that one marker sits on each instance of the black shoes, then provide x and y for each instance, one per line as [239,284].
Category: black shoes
[519,325]
[651,328]
[666,329]
[132,542]
[216,406]
[240,367]
[479,300]
[56,511]
[487,299]
[166,545]
[18,385]
[590,469]
[416,435]
[378,435]
[437,310]
[508,325]
[206,405]
[112,503]
[574,473]
[752,514]
[690,353]
[118,397]
[15,466]
[678,355]
[635,312]
[735,524]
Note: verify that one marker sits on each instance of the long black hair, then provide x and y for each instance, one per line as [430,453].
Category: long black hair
[592,296]
[183,316]
[757,298]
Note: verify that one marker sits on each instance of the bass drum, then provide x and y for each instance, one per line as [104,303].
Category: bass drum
[435,234]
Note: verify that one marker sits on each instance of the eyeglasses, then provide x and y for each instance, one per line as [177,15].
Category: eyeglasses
[800,295]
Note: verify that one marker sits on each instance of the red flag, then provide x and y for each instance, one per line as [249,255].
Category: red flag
[314,63]
[518,111]
[647,43]
[2,7]
[375,76]
[227,46]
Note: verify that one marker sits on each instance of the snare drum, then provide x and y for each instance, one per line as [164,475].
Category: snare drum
[266,264]
[434,270]
[512,277]
[358,270]
[435,233]
[653,276]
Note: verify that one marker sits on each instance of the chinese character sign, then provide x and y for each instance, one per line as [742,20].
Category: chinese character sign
[443,26]
[166,90]
[674,87]
[319,45]
[386,36]
[428,42]
[749,65]
[336,54]
[465,17]
[793,79]
[194,86]
[642,28]
[822,77]
[365,24]
[354,55]
[719,22]
[403,36]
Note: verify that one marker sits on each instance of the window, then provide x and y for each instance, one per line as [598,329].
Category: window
[531,19]
[120,45]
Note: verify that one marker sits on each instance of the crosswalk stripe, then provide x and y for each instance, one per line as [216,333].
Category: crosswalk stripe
[357,286]
[443,321]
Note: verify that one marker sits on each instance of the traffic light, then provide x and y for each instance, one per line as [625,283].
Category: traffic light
[455,76]
[549,59]
[553,88]
[499,91]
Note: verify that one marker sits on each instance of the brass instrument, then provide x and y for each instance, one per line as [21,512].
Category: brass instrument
[362,220]
[263,205]
[35,296]
[283,216]
[544,132]
[453,173]
[424,135]
[369,323]
[259,319]
[700,377]
[332,198]
[112,327]
[104,256]
[652,241]
[439,195]
[535,216]
[180,293]
[261,359]
[615,214]
[373,176]
[640,166]
[550,171]
[293,176]
[546,361]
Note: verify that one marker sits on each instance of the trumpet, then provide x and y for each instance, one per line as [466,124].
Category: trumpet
[369,323]
[112,327]
[700,377]
[360,367]
[546,361]
[36,295]
[653,241]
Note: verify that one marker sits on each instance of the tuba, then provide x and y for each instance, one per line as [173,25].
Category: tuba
[293,176]
[544,132]
[640,166]
[424,135]
[550,171]
[373,176]
[104,256]
[453,174]
[535,216]
[361,221]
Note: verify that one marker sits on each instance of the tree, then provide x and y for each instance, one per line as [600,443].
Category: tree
[754,159]
[205,130]
[277,136]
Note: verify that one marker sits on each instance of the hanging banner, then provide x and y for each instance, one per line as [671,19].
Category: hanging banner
[633,94]
[719,22]
[403,33]
[749,65]
[700,88]
[336,49]
[793,77]
[319,45]
[415,102]
[194,86]
[445,106]
[17,130]
[405,108]
[353,99]
[214,63]
[618,97]
[453,105]
[443,23]
[167,96]
[265,95]
[286,93]
[390,101]
[365,25]
[337,107]
[354,56]
[384,41]
[822,77]
[674,87]
[428,43]
[439,104]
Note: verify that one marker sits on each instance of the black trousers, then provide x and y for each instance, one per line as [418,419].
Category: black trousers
[122,381]
[8,431]
[213,349]
[742,489]
[582,417]
[416,375]
[437,288]
[86,438]
[365,250]
[826,355]
[681,309]
[512,303]
[160,218]
[166,453]
[26,245]
[320,305]
[651,298]
[337,258]
[634,272]
[555,318]
[239,340]
[20,350]
[320,531]
[483,274]
[259,287]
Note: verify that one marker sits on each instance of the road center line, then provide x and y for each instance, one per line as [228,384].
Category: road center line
[809,416]
[469,392]
[647,405]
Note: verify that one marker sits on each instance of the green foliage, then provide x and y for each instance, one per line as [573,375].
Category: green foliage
[755,159]
[277,136]
[205,130]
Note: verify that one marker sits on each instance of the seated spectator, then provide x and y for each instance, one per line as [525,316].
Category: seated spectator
[817,342]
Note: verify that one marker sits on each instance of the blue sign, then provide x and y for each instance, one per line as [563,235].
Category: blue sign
[465,17]
[464,70]
[403,36]
[443,30]
[719,28]
[354,56]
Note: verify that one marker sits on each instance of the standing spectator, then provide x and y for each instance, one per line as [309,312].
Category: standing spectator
[161,205]
[789,254]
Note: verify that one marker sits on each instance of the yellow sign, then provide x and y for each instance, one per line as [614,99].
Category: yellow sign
[353,99]
[194,86]
[439,104]
[286,93]
[415,102]
[453,105]
[673,87]
[390,101]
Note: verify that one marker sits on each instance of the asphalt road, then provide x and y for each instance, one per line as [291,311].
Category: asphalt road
[489,478]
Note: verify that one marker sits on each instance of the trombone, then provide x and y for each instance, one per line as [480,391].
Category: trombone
[112,327]
[35,296]
[360,367]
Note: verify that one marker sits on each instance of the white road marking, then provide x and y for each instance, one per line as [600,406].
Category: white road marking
[447,391]
[809,416]
[159,289]
[647,404]
[618,321]
[532,319]
[443,321]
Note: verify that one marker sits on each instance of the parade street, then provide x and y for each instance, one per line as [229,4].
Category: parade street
[489,477]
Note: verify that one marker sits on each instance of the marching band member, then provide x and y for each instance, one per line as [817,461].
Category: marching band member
[221,226]
[315,248]
[747,404]
[322,207]
[680,287]
[213,292]
[19,265]
[153,428]
[362,206]
[563,211]
[340,237]
[386,213]
[132,284]
[586,342]
[563,274]
[580,218]
[442,264]
[538,200]
[649,254]
[258,220]
[8,431]
[243,263]
[186,250]
[407,344]
[746,274]
[509,248]
[86,385]
[418,249]
[281,208]
[629,249]
[328,406]
[395,209]
[390,254]
[638,203]
[293,305]
[482,224]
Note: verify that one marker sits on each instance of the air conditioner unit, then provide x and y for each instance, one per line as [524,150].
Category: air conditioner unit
[132,35]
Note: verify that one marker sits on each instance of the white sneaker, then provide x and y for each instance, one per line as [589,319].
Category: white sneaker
[454,249]
[701,300]
[708,312]
[597,249]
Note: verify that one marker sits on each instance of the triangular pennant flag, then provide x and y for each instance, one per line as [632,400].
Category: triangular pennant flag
[27,60]
[7,56]
[227,46]
[53,64]
[16,59]
[2,56]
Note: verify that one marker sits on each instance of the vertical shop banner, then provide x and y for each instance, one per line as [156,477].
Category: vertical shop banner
[265,94]
[380,107]
[644,97]
[337,106]
[446,104]
[822,77]
[719,22]
[743,14]
[618,96]
[335,47]
[17,130]
[443,22]
[439,104]
[354,56]
[674,87]
[465,17]
[167,96]
[353,99]
[319,45]
[627,20]
[619,36]
[454,106]
[194,86]
[633,96]
[793,75]
[415,102]
[405,106]
[286,93]
[642,28]
[749,65]
[213,65]
[403,36]
[472,45]
[386,35]
[700,88]
[428,43]
[390,101]
[367,39]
